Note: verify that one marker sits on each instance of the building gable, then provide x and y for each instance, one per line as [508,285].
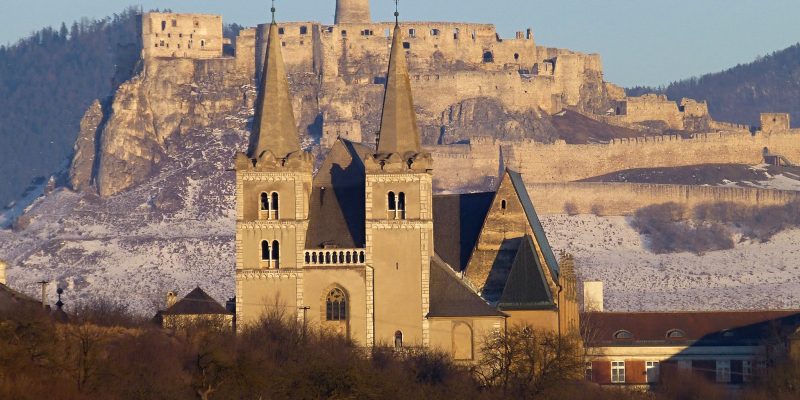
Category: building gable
[510,218]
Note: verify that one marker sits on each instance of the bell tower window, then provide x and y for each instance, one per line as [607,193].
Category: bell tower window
[397,205]
[270,254]
[269,204]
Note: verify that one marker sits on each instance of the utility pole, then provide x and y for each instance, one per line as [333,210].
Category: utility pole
[305,312]
[44,283]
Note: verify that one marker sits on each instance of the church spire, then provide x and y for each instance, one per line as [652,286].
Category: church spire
[399,132]
[274,128]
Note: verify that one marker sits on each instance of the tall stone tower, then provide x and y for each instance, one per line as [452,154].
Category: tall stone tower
[352,12]
[399,218]
[273,186]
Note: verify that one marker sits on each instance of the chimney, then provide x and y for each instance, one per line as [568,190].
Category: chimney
[593,296]
[172,298]
[3,266]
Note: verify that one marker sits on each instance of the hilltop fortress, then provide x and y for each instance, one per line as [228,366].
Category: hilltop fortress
[482,101]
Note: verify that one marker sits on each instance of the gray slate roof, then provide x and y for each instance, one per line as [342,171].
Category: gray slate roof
[526,287]
[533,220]
[197,302]
[457,223]
[451,297]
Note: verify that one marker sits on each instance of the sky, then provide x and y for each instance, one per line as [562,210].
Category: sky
[642,42]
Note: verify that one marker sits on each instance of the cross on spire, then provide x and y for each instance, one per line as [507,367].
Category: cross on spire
[273,11]
[396,12]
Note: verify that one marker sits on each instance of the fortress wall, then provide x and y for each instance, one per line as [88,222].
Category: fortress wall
[561,162]
[651,107]
[626,198]
[181,35]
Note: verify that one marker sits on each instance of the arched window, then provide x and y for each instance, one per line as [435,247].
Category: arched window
[488,57]
[336,305]
[273,212]
[398,340]
[264,202]
[676,334]
[265,251]
[401,206]
[516,56]
[623,335]
[392,205]
[276,254]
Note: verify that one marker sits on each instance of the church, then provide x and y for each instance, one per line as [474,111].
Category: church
[364,248]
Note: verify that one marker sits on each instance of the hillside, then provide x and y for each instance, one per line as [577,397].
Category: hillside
[739,94]
[47,81]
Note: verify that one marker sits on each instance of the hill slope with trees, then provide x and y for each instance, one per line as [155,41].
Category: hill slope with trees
[47,81]
[741,93]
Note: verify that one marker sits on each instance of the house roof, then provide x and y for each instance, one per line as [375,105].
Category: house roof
[337,205]
[697,328]
[457,222]
[533,219]
[451,297]
[526,287]
[11,299]
[197,302]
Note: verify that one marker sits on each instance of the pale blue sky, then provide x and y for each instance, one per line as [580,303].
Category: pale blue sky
[641,41]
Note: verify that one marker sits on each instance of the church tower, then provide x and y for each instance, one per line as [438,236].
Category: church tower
[352,12]
[273,185]
[399,219]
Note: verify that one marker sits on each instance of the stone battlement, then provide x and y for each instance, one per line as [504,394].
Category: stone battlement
[181,35]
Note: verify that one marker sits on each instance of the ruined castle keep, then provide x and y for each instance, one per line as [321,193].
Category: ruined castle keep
[482,101]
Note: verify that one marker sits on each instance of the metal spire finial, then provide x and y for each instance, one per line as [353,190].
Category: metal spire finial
[273,11]
[397,12]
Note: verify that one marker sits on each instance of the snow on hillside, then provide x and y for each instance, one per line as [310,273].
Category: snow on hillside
[750,276]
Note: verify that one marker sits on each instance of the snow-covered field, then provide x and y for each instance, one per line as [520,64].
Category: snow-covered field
[751,276]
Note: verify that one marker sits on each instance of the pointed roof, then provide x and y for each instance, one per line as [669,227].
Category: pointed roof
[533,219]
[526,286]
[451,297]
[274,127]
[197,302]
[399,131]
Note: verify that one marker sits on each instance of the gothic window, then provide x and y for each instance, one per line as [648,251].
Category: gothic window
[336,305]
[398,340]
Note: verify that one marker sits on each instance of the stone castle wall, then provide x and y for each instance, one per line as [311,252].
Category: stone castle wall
[775,122]
[465,165]
[626,198]
[181,35]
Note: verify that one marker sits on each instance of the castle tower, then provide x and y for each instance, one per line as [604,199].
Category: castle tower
[273,185]
[399,219]
[352,12]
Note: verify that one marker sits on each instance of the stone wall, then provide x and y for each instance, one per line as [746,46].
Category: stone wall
[775,122]
[181,35]
[560,162]
[626,198]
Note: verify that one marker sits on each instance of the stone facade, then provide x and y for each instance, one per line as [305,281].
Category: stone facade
[196,36]
[3,267]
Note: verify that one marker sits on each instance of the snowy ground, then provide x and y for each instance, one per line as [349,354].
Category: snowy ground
[750,276]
